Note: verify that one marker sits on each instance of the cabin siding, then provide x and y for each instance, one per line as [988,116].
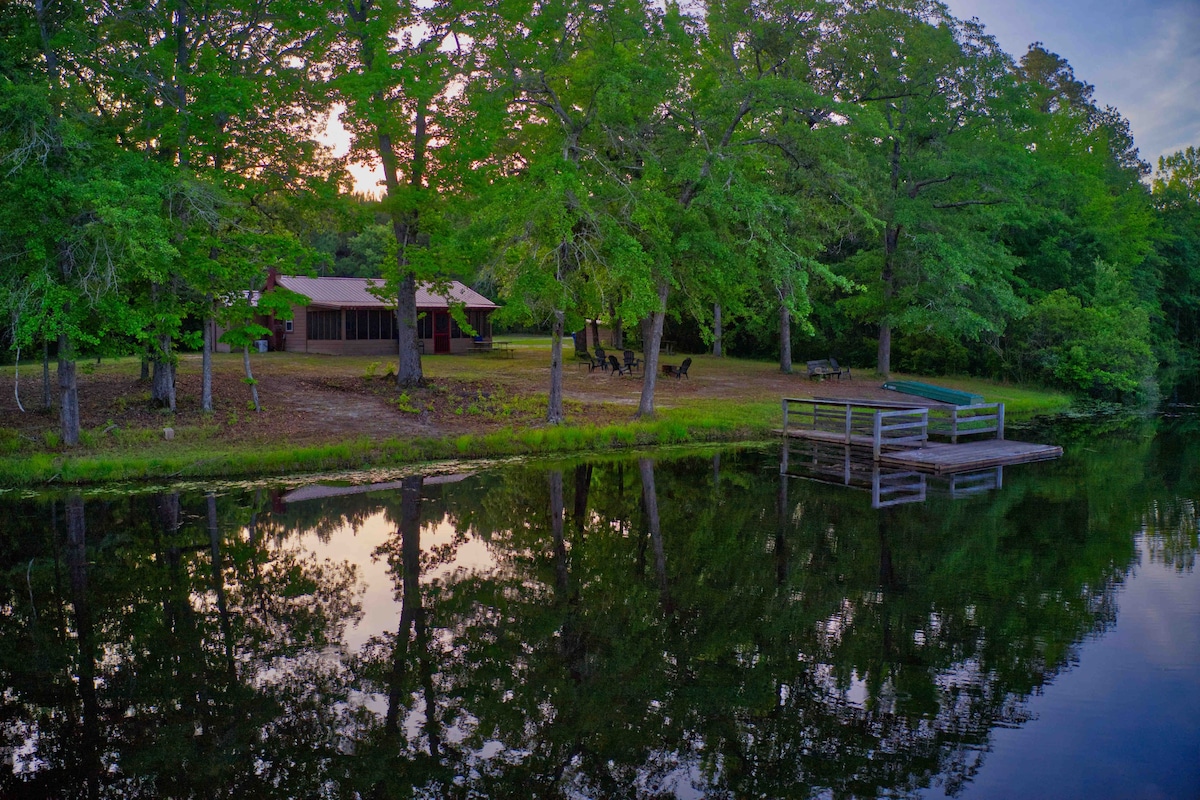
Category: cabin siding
[339,295]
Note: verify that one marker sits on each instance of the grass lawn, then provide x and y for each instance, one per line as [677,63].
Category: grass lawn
[327,412]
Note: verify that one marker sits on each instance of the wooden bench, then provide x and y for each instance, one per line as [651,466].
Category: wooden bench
[822,368]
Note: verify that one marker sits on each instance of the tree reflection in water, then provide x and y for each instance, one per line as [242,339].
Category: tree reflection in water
[694,626]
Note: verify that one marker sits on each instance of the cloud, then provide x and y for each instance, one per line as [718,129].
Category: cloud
[1161,95]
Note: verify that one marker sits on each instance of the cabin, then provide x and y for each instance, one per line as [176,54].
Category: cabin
[344,318]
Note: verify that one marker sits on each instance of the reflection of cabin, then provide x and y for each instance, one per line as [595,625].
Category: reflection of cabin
[344,318]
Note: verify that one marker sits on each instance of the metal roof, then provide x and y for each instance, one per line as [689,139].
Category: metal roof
[352,293]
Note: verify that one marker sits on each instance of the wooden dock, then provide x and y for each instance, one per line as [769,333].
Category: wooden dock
[943,458]
[897,435]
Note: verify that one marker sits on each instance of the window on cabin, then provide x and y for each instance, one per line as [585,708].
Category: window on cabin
[324,325]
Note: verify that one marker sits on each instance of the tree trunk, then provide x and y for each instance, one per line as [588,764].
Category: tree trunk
[144,374]
[410,552]
[717,331]
[650,501]
[218,573]
[206,358]
[583,485]
[250,377]
[404,228]
[409,371]
[618,328]
[884,353]
[47,394]
[556,530]
[162,387]
[783,515]
[77,564]
[595,333]
[891,242]
[554,411]
[785,337]
[652,338]
[17,380]
[68,392]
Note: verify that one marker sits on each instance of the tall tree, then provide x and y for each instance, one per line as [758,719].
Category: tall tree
[224,95]
[1085,236]
[80,217]
[1176,195]
[569,70]
[930,89]
[402,85]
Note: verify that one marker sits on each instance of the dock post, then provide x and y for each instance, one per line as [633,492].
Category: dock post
[785,409]
[876,434]
[1000,420]
[849,417]
[954,426]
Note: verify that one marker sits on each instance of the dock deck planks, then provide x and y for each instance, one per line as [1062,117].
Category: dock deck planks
[940,458]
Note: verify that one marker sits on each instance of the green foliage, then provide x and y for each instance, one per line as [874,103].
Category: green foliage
[1101,350]
[867,166]
[1176,197]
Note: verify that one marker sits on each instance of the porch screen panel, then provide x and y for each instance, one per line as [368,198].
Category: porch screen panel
[371,323]
[324,324]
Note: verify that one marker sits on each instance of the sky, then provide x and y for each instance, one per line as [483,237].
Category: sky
[1142,56]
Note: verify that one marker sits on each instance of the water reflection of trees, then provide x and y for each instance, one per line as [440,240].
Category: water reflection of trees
[643,627]
[152,642]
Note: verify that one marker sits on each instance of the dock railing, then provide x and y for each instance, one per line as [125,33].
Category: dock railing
[956,421]
[858,422]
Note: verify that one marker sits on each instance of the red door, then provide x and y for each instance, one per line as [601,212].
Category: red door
[441,332]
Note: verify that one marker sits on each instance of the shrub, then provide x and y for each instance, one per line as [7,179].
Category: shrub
[1102,351]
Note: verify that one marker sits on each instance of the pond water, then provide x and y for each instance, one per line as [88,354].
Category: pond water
[679,625]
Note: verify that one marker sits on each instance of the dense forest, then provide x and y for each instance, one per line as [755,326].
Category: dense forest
[872,178]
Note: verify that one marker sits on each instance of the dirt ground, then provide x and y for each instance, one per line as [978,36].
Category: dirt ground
[313,399]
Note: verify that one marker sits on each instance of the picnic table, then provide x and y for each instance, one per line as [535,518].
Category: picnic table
[504,349]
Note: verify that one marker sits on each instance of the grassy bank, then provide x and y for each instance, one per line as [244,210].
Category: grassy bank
[325,414]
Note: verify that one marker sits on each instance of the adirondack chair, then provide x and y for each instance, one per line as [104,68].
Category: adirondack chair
[602,357]
[840,370]
[587,360]
[632,362]
[678,372]
[618,368]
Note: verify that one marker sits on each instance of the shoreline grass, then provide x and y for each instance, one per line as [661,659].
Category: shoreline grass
[746,411]
[742,424]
